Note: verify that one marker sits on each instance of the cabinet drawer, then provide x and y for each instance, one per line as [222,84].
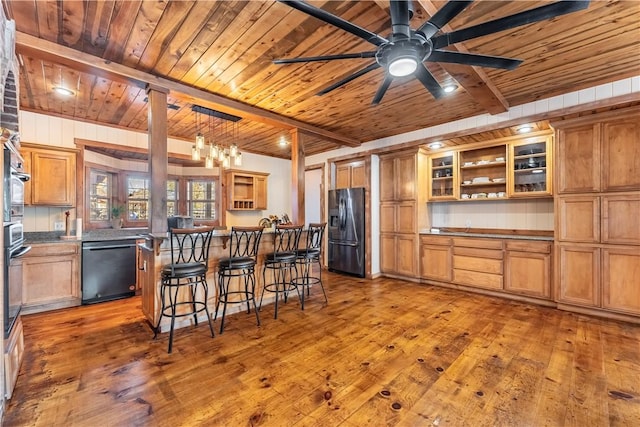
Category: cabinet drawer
[435,240]
[478,243]
[53,249]
[478,253]
[529,246]
[477,279]
[485,265]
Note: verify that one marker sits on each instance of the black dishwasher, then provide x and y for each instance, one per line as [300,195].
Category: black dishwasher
[108,270]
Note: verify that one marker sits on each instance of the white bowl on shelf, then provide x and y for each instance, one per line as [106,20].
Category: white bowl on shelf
[498,179]
[468,164]
[479,179]
[466,182]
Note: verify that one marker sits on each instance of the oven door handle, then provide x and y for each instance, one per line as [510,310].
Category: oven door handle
[20,252]
[24,177]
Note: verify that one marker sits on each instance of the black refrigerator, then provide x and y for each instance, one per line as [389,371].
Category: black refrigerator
[346,231]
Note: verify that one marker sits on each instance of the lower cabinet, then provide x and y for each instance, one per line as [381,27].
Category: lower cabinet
[621,279]
[527,268]
[13,354]
[398,254]
[435,258]
[50,277]
[578,271]
[478,262]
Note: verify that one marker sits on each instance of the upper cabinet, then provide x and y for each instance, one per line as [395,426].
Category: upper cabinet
[530,167]
[53,175]
[513,167]
[398,179]
[599,156]
[351,174]
[246,190]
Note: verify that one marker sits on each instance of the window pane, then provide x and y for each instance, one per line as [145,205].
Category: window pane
[138,198]
[99,195]
[172,197]
[201,200]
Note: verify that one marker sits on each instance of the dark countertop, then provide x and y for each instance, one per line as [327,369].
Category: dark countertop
[488,235]
[90,236]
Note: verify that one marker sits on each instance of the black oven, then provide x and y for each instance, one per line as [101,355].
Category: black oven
[13,248]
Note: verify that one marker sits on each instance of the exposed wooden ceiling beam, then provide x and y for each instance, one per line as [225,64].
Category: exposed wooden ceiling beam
[472,79]
[43,49]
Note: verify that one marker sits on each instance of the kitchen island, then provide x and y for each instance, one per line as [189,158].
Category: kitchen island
[156,252]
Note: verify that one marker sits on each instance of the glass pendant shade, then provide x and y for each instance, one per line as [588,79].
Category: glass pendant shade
[226,162]
[237,160]
[199,141]
[208,162]
[233,150]
[213,151]
[195,153]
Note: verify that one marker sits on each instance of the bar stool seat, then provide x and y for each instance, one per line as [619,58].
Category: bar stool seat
[184,290]
[282,263]
[243,253]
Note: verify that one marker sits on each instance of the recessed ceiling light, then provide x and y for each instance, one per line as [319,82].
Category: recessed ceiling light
[63,91]
[282,142]
[450,88]
[435,145]
[525,128]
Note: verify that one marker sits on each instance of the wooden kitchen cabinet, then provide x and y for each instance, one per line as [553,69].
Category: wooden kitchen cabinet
[621,153]
[436,255]
[398,217]
[478,262]
[13,355]
[578,218]
[398,178]
[578,271]
[530,167]
[621,292]
[50,277]
[578,159]
[398,255]
[528,268]
[351,174]
[246,190]
[443,172]
[53,175]
[620,214]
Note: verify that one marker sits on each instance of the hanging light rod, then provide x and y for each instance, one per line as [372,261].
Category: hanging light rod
[214,113]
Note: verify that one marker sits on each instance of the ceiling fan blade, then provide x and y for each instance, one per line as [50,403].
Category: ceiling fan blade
[473,59]
[336,21]
[382,89]
[427,79]
[523,18]
[442,17]
[325,58]
[400,16]
[349,78]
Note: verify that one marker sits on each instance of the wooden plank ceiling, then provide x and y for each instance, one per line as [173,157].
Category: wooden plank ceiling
[225,48]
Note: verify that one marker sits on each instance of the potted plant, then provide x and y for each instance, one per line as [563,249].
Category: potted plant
[116,213]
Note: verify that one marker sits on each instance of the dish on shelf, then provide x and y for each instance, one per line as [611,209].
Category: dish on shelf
[483,162]
[466,182]
[264,223]
[502,194]
[466,196]
[499,159]
[498,179]
[530,151]
[492,195]
[478,179]
[468,164]
[479,196]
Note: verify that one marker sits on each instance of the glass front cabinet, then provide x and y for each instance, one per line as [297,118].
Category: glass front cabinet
[530,167]
[442,173]
[514,167]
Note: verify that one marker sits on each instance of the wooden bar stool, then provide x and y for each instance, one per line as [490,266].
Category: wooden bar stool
[306,257]
[187,273]
[282,263]
[241,263]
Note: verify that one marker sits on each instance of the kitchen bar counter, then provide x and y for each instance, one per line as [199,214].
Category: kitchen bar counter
[90,236]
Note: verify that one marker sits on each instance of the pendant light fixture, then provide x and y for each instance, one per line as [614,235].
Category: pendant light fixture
[222,133]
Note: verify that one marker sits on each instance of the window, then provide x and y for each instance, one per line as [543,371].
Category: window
[201,199]
[101,185]
[172,197]
[137,198]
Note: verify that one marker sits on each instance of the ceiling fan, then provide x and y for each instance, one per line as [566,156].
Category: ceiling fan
[405,50]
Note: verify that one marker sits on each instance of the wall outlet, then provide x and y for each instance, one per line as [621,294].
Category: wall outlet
[58,225]
[467,223]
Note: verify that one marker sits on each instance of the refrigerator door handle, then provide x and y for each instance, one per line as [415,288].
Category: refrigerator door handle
[352,244]
[343,214]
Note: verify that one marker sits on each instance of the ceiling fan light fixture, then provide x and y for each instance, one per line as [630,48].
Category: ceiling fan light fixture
[63,91]
[403,66]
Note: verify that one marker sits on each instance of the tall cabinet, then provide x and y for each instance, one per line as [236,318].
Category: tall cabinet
[597,209]
[402,211]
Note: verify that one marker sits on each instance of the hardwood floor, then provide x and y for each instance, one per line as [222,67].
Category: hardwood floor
[383,352]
